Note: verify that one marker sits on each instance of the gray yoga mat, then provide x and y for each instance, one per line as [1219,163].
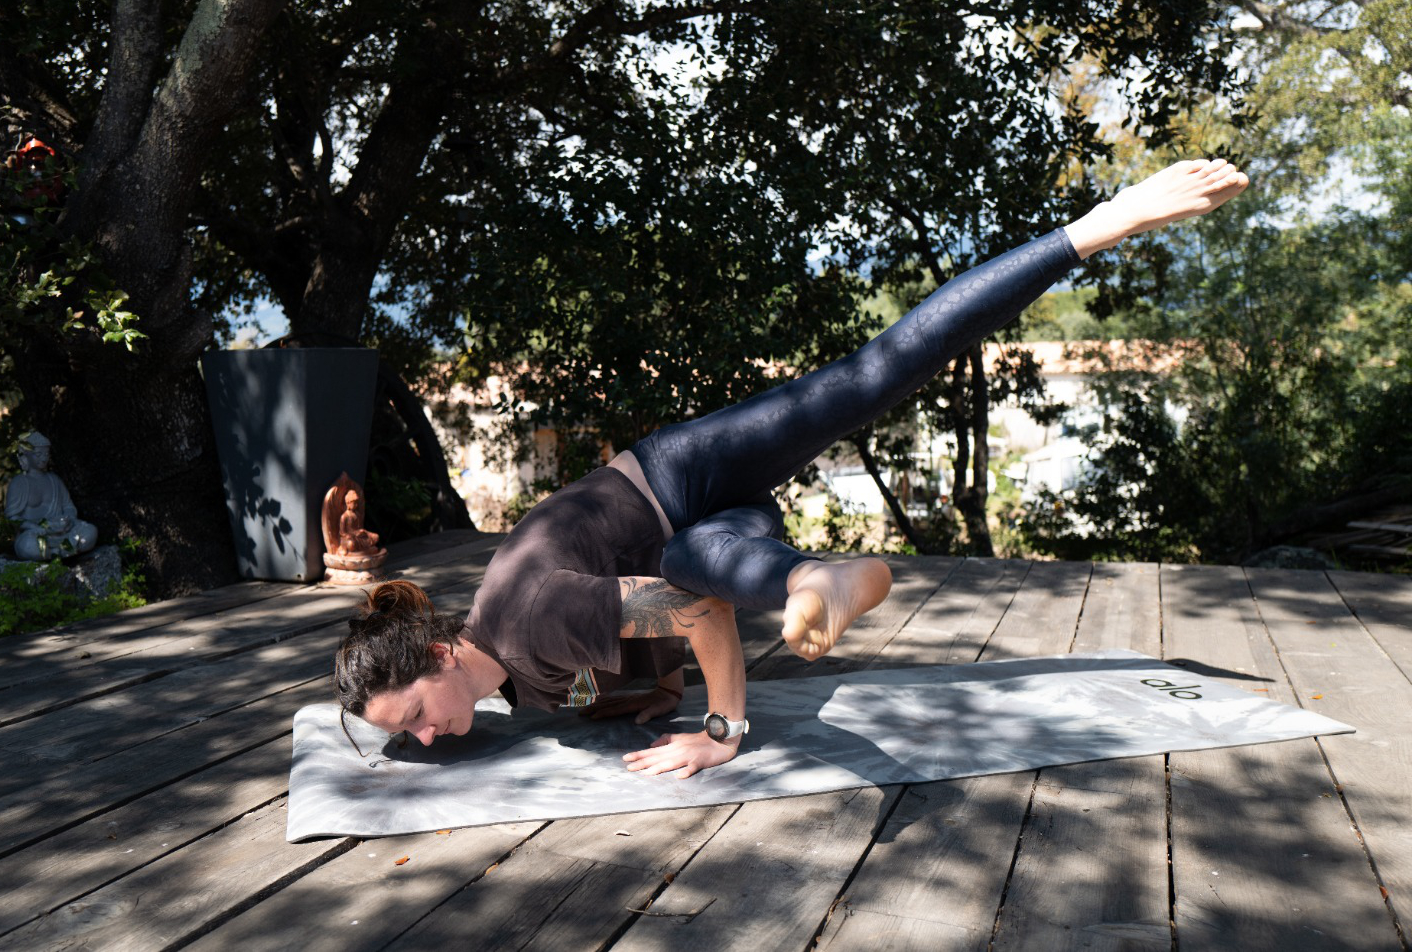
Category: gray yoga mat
[808,735]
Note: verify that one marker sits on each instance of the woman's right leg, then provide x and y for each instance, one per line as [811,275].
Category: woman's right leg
[719,461]
[728,457]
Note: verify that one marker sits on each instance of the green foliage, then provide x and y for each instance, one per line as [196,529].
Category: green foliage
[32,597]
[46,277]
[1291,309]
[1292,390]
[398,507]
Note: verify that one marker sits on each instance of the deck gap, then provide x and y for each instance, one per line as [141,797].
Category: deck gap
[249,902]
[980,652]
[1167,773]
[1363,844]
[1171,858]
[203,719]
[466,885]
[633,917]
[151,676]
[1078,619]
[863,857]
[1014,859]
[137,795]
[1318,745]
[1368,631]
[128,872]
[200,661]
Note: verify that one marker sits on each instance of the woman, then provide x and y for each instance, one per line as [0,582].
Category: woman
[608,578]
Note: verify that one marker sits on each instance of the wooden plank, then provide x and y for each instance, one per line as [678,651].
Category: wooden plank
[767,880]
[214,877]
[109,725]
[585,875]
[960,617]
[914,580]
[60,691]
[1337,668]
[1091,872]
[583,922]
[587,867]
[300,606]
[414,551]
[154,615]
[1383,603]
[936,876]
[63,868]
[1262,853]
[361,899]
[67,682]
[62,799]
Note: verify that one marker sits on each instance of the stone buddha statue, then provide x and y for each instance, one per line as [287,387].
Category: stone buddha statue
[37,500]
[350,551]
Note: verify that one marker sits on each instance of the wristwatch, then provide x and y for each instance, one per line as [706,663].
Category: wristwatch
[721,728]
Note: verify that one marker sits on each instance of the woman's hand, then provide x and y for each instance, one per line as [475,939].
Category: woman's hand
[646,705]
[684,753]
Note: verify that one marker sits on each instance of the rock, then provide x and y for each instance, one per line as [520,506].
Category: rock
[1290,557]
[89,577]
[96,574]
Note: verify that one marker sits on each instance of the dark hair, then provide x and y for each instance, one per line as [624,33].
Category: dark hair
[388,645]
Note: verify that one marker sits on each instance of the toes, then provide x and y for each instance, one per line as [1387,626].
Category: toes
[1192,166]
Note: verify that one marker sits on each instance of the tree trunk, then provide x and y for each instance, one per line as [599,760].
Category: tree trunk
[977,524]
[131,432]
[904,523]
[969,410]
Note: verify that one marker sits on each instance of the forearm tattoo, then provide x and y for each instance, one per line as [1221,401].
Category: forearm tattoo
[656,608]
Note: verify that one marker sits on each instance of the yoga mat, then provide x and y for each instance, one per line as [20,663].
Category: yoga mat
[807,735]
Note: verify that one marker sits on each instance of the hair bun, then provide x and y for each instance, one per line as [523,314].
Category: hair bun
[397,597]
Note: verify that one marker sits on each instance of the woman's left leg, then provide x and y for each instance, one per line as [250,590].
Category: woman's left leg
[704,470]
[735,555]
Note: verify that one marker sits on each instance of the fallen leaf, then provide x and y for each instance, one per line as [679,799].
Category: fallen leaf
[670,876]
[1316,696]
[490,867]
[1263,690]
[1384,891]
[401,861]
[443,832]
[621,833]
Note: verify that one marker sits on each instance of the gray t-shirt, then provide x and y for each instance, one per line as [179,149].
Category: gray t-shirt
[549,609]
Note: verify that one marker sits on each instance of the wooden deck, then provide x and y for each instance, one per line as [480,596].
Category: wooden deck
[142,804]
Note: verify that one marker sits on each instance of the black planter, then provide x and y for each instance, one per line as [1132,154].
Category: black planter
[288,421]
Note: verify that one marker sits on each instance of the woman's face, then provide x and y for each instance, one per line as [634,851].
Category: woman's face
[440,703]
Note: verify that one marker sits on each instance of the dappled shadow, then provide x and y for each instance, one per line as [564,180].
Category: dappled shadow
[160,729]
[152,807]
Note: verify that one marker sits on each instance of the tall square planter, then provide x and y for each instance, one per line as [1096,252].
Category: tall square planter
[288,421]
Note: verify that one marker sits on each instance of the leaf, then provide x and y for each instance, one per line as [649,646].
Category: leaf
[399,862]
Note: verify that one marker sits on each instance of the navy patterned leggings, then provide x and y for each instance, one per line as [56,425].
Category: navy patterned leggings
[713,475]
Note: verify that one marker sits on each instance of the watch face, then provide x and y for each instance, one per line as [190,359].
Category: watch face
[717,728]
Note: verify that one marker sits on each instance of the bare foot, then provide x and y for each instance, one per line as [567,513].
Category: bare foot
[826,597]
[1184,190]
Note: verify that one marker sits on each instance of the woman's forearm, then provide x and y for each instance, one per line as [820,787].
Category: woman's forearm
[716,645]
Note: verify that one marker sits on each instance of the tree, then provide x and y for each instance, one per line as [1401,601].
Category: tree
[1292,314]
[530,182]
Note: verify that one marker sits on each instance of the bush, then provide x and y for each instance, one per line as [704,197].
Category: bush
[32,596]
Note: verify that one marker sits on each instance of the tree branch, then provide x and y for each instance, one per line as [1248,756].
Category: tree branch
[904,522]
[127,93]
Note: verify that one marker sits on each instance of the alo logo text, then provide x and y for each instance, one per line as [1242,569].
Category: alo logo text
[1184,691]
